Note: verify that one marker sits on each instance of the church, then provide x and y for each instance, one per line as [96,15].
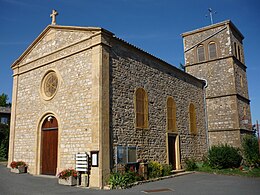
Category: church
[82,89]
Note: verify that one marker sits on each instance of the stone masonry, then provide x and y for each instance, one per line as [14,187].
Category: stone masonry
[228,109]
[93,103]
[132,68]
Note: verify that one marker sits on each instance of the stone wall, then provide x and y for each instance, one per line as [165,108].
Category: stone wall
[225,137]
[72,105]
[131,69]
[227,91]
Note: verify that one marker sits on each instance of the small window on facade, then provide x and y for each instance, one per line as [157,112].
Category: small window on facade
[241,81]
[131,154]
[141,108]
[125,154]
[121,155]
[171,115]
[235,49]
[212,50]
[4,120]
[238,53]
[200,53]
[244,112]
[192,113]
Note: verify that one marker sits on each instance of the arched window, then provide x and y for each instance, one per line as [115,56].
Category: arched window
[212,50]
[200,53]
[235,49]
[141,108]
[171,115]
[193,124]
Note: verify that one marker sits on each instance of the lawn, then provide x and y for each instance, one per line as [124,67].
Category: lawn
[242,171]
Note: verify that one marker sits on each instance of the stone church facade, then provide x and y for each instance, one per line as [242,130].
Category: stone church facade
[215,53]
[81,89]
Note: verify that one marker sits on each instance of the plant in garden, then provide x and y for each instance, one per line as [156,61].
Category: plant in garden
[166,169]
[224,156]
[190,164]
[154,169]
[66,173]
[251,150]
[117,180]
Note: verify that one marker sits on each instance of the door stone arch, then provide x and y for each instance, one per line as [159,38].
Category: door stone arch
[49,146]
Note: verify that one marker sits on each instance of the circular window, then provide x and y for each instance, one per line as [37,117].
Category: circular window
[50,85]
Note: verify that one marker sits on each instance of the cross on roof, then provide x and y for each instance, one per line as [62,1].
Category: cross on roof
[53,16]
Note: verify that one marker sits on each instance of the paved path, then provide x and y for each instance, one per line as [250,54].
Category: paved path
[198,183]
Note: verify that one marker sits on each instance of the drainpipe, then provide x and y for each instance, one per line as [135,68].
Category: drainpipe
[205,110]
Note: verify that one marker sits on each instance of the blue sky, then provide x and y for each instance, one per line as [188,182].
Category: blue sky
[153,25]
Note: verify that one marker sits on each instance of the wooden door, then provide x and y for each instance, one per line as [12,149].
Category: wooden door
[171,151]
[49,146]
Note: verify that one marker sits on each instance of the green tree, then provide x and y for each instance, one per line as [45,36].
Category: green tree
[3,100]
[4,141]
[4,130]
[251,150]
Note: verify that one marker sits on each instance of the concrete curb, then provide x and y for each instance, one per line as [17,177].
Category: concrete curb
[155,179]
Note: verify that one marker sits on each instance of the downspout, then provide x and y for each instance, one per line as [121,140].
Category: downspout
[205,110]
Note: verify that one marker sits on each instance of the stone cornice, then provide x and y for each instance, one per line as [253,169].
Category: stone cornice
[233,94]
[243,66]
[226,22]
[57,55]
[48,28]
[235,129]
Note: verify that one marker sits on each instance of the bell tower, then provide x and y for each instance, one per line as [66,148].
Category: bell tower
[215,53]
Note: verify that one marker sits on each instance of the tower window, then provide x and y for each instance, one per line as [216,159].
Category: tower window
[192,113]
[238,53]
[200,53]
[141,108]
[235,49]
[212,50]
[241,80]
[171,115]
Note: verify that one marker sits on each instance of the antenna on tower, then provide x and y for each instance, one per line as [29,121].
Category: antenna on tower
[211,12]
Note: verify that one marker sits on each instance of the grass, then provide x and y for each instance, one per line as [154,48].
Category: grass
[242,171]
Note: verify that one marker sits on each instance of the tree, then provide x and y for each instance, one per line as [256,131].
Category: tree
[4,141]
[3,100]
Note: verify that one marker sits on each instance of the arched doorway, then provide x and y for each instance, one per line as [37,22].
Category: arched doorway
[49,146]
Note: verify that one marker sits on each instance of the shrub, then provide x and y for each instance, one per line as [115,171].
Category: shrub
[166,169]
[4,141]
[224,156]
[190,164]
[154,169]
[122,180]
[117,180]
[251,150]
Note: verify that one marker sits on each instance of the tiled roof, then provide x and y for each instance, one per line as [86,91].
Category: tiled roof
[6,110]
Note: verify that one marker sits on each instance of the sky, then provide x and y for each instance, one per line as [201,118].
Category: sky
[153,25]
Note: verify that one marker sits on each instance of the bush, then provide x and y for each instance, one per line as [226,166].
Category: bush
[122,180]
[166,169]
[4,141]
[190,164]
[117,180]
[251,150]
[154,169]
[224,156]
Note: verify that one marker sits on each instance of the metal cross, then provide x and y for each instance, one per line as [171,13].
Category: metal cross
[53,16]
[211,15]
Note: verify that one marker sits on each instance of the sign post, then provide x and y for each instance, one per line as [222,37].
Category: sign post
[82,166]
